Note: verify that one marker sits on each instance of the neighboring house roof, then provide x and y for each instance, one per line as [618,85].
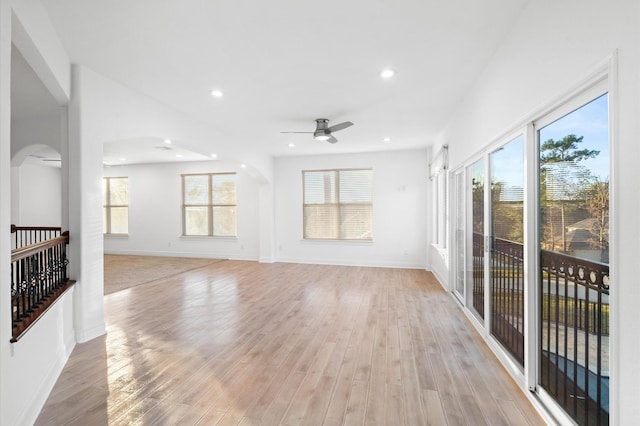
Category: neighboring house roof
[581,234]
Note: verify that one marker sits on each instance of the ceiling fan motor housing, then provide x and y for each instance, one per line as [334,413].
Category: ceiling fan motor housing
[322,132]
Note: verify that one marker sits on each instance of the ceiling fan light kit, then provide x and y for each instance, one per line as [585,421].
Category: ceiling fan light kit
[323,132]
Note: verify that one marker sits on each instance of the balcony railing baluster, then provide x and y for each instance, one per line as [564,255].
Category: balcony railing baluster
[507,287]
[574,374]
[574,322]
[38,274]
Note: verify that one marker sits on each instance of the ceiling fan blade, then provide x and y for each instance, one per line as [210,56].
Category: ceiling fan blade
[332,140]
[296,132]
[340,126]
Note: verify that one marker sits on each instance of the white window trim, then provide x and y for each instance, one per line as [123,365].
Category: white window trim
[338,204]
[108,206]
[603,79]
[210,206]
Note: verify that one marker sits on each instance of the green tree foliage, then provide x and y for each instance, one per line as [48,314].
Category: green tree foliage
[477,191]
[507,220]
[565,149]
[576,194]
[596,198]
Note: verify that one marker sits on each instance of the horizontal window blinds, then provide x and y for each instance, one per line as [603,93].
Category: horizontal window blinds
[338,204]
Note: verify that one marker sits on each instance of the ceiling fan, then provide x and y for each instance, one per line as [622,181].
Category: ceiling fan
[323,132]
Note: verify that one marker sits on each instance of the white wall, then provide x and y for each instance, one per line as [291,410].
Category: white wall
[36,38]
[30,367]
[155,215]
[6,396]
[438,261]
[37,360]
[37,191]
[43,130]
[554,45]
[399,211]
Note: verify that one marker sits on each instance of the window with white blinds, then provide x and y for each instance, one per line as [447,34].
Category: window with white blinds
[338,204]
[115,205]
[209,204]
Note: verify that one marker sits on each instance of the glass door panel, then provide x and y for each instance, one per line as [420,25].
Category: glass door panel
[459,259]
[574,261]
[507,250]
[476,173]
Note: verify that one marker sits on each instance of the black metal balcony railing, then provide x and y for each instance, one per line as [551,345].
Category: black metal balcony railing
[574,322]
[38,278]
[575,329]
[507,296]
[478,274]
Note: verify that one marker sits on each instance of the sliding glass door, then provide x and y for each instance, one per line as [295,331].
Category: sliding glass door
[459,265]
[547,302]
[477,184]
[506,246]
[574,260]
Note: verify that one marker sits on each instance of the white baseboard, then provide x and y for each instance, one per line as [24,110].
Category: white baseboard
[440,279]
[199,255]
[91,333]
[31,411]
[352,262]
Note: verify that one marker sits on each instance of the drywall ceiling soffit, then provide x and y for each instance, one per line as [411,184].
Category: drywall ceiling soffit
[29,96]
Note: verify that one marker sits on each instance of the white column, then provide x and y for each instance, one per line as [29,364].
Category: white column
[64,168]
[267,223]
[85,214]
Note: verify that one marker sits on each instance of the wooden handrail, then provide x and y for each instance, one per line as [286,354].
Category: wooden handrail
[15,228]
[31,249]
[23,236]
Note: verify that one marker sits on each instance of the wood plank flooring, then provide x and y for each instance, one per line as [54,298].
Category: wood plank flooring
[244,343]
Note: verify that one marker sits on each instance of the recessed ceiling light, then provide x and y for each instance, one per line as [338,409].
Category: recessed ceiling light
[292,145]
[179,155]
[214,155]
[123,159]
[244,166]
[216,93]
[386,140]
[167,141]
[387,73]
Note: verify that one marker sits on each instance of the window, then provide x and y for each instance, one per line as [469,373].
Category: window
[438,176]
[440,210]
[337,204]
[209,204]
[115,201]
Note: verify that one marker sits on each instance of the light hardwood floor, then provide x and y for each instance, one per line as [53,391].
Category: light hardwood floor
[244,343]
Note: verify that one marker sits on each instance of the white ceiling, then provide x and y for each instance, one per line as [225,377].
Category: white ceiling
[281,64]
[147,150]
